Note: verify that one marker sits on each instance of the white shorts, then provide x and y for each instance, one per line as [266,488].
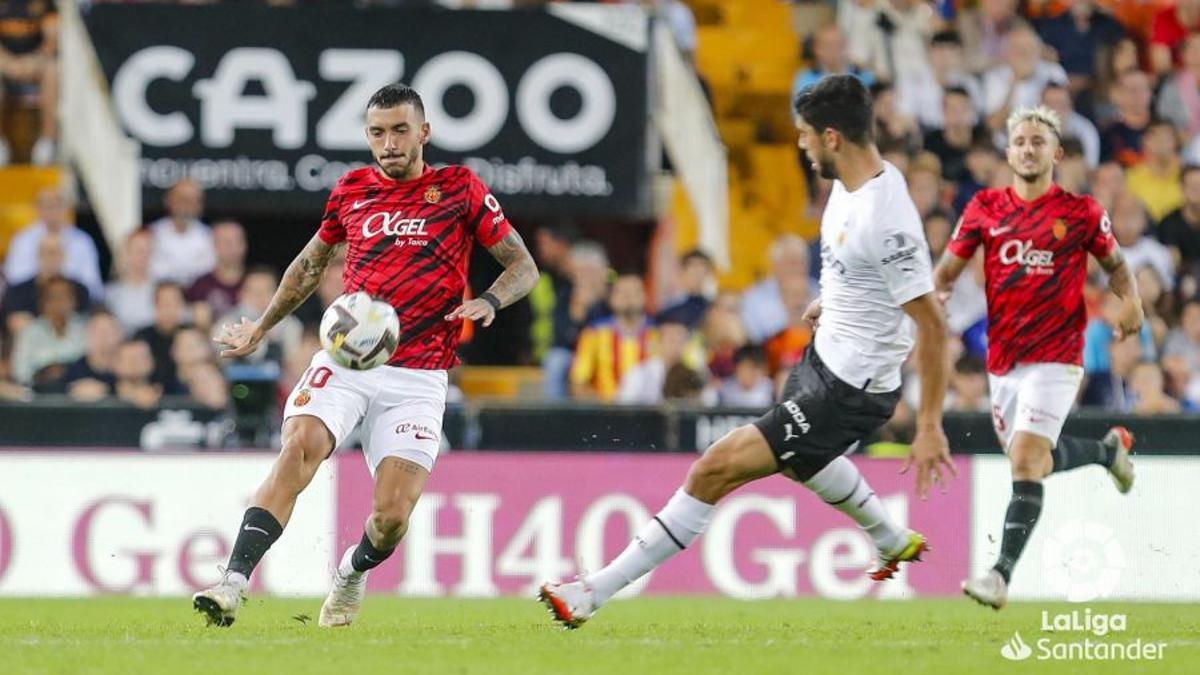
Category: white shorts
[400,408]
[1035,398]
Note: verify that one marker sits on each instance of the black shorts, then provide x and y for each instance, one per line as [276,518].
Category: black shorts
[821,417]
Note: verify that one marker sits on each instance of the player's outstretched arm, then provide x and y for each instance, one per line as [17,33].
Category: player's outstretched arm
[1123,285]
[949,268]
[515,282]
[299,281]
[930,449]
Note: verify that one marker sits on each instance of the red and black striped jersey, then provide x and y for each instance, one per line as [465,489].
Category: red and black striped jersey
[408,243]
[1035,261]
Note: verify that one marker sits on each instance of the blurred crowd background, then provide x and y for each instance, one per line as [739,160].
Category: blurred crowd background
[611,325]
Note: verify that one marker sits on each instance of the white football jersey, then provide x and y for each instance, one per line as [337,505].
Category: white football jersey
[874,258]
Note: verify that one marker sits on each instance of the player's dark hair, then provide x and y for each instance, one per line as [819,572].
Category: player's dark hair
[1187,169]
[395,95]
[841,103]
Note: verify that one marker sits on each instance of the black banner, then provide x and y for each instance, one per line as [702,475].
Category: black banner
[264,107]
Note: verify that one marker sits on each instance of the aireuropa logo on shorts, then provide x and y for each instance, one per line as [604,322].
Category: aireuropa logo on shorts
[1070,637]
[1082,560]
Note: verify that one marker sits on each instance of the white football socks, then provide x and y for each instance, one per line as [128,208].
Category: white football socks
[673,529]
[842,486]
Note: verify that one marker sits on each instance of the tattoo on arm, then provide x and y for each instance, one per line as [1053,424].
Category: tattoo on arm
[520,272]
[299,281]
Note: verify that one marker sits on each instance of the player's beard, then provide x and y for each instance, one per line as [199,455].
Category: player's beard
[825,167]
[400,170]
[1031,176]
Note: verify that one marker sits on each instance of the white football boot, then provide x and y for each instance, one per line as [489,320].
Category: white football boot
[571,604]
[345,598]
[1121,470]
[989,590]
[220,604]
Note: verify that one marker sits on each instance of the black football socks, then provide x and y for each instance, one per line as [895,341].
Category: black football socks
[366,556]
[259,531]
[1023,511]
[1072,453]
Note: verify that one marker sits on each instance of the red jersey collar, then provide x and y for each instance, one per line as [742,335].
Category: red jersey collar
[1053,192]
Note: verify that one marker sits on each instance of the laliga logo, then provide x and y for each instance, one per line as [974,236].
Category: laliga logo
[1083,560]
[1017,252]
[1016,649]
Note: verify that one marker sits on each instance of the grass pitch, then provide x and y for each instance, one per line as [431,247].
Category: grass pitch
[650,635]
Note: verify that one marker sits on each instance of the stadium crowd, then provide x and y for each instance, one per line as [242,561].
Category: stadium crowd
[1124,77]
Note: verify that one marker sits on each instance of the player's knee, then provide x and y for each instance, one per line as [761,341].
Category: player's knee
[306,443]
[391,520]
[1029,461]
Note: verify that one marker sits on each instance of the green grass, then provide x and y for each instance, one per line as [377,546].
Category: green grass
[651,635]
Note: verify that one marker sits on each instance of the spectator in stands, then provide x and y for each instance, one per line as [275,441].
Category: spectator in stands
[257,290]
[723,333]
[1111,389]
[985,169]
[1179,98]
[939,225]
[208,387]
[893,128]
[588,268]
[1156,302]
[81,262]
[1180,229]
[1058,98]
[190,350]
[925,185]
[888,37]
[1171,26]
[922,95]
[131,295]
[91,377]
[170,316]
[1121,139]
[551,296]
[1077,37]
[1155,181]
[216,292]
[1184,341]
[969,385]
[750,386]
[696,272]
[959,130]
[1018,81]
[1098,338]
[1073,167]
[22,301]
[1147,387]
[643,384]
[9,390]
[983,29]
[785,348]
[29,69]
[183,245]
[763,312]
[46,346]
[1129,229]
[827,56]
[683,384]
[611,347]
[133,369]
[1107,184]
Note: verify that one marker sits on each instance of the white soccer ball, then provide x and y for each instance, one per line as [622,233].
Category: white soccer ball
[360,332]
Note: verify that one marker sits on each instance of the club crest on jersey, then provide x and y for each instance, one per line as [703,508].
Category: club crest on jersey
[1059,229]
[433,194]
[302,398]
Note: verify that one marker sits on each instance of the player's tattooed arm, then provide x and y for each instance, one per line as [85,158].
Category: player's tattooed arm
[520,271]
[518,278]
[299,281]
[1123,285]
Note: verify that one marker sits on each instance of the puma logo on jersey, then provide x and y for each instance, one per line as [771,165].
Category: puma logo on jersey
[1017,252]
[392,224]
[789,436]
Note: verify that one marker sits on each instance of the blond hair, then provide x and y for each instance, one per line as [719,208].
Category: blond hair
[1039,115]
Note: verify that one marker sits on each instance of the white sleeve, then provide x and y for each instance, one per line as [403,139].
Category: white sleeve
[901,252]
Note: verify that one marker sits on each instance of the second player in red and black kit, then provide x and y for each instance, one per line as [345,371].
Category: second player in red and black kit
[423,227]
[1036,238]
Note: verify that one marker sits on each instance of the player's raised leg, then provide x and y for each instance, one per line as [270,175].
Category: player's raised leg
[739,457]
[398,486]
[306,443]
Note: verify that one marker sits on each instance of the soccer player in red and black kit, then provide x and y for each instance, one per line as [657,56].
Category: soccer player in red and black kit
[408,230]
[1036,238]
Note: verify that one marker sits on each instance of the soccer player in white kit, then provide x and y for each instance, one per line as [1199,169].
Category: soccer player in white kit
[877,283]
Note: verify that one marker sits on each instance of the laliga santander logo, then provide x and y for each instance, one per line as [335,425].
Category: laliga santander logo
[1083,560]
[1016,649]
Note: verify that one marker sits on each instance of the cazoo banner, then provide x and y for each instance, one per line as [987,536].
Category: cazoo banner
[264,107]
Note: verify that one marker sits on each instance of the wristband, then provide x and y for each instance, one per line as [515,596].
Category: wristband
[490,299]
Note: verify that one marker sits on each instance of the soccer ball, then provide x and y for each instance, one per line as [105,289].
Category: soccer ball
[360,332]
